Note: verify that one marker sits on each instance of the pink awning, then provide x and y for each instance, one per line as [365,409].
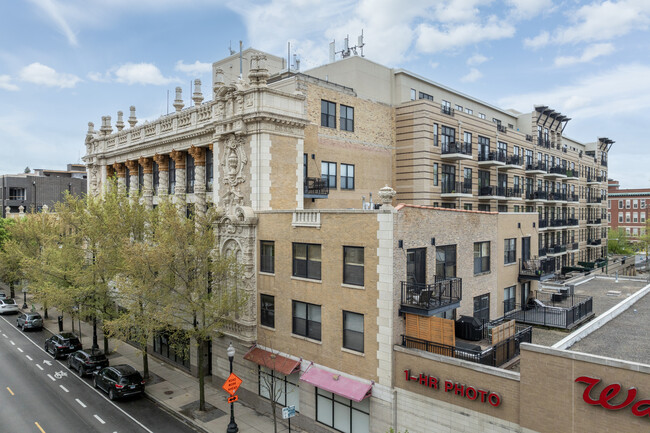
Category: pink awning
[339,385]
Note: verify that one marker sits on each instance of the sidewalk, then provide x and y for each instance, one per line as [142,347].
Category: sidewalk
[174,389]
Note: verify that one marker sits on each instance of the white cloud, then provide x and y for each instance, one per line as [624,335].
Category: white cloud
[621,91]
[54,12]
[38,73]
[196,68]
[590,53]
[5,83]
[538,41]
[473,75]
[476,59]
[527,9]
[433,39]
[141,73]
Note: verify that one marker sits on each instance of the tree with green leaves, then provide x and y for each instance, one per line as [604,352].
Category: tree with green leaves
[618,242]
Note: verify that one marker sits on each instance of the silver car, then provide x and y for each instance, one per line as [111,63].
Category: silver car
[8,306]
[30,320]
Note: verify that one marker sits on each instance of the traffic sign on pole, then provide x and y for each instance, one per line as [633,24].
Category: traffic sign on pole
[233,399]
[288,412]
[232,384]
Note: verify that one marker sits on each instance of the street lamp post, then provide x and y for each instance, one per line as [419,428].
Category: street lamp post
[24,298]
[232,427]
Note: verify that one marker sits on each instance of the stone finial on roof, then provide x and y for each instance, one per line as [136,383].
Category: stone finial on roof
[106,128]
[120,121]
[197,96]
[386,195]
[178,102]
[91,128]
[132,119]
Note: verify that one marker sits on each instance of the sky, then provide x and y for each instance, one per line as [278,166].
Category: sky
[64,63]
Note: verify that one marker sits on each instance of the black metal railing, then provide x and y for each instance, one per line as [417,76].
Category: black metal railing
[594,221]
[542,251]
[558,169]
[456,188]
[572,173]
[603,162]
[574,246]
[492,156]
[558,222]
[536,166]
[591,199]
[529,137]
[536,195]
[594,242]
[560,196]
[443,292]
[557,249]
[514,160]
[502,128]
[572,197]
[556,317]
[542,223]
[456,147]
[316,186]
[447,110]
[494,356]
[500,191]
[572,221]
[536,268]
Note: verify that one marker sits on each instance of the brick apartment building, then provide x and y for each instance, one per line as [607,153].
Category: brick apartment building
[626,209]
[370,208]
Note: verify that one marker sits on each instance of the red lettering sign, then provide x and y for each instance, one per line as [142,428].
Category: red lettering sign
[459,389]
[609,393]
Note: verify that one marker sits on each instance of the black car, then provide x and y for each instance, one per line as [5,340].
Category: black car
[87,361]
[119,381]
[29,320]
[62,344]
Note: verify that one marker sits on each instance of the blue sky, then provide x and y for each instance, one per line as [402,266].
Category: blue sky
[64,63]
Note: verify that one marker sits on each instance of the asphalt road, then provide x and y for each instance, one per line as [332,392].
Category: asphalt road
[39,394]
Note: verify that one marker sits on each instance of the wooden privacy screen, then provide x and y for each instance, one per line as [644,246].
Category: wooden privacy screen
[503,332]
[432,329]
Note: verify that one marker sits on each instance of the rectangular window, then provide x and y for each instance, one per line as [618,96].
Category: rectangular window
[209,170]
[446,261]
[467,206]
[635,204]
[17,194]
[156,177]
[447,137]
[284,388]
[413,94]
[267,310]
[481,257]
[347,176]
[353,331]
[327,114]
[458,108]
[467,180]
[307,260]
[189,173]
[353,265]
[342,414]
[642,217]
[510,251]
[620,204]
[435,174]
[509,299]
[635,217]
[620,218]
[481,115]
[482,307]
[627,204]
[347,118]
[423,95]
[483,207]
[502,208]
[172,176]
[627,217]
[306,320]
[328,173]
[267,256]
[435,134]
[469,110]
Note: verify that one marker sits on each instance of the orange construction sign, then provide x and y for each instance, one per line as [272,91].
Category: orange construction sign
[232,384]
[233,399]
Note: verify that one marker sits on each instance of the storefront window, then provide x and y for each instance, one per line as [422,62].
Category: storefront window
[342,414]
[283,388]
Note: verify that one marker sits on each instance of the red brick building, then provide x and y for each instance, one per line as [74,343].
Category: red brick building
[626,209]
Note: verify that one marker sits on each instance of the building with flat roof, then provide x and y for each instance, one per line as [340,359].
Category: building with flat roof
[40,187]
[626,209]
[383,221]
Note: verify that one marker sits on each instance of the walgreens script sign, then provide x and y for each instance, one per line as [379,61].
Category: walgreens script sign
[611,392]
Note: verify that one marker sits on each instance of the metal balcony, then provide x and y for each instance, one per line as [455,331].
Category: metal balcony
[456,151]
[536,269]
[429,299]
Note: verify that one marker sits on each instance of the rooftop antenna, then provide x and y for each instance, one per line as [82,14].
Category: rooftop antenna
[288,56]
[332,51]
[230,49]
[347,49]
[241,70]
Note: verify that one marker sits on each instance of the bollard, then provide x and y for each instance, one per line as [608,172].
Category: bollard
[60,320]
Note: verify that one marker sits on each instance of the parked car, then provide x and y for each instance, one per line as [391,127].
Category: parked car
[119,381]
[30,320]
[87,361]
[62,344]
[2,294]
[8,305]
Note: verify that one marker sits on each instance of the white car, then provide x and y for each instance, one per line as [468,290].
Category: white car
[8,306]
[2,295]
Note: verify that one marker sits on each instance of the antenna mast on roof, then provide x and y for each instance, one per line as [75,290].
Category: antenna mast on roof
[230,49]
[347,50]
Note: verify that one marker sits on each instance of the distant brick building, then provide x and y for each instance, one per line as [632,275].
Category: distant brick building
[626,209]
[40,187]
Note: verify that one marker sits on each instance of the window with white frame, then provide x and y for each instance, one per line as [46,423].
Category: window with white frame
[481,115]
[347,176]
[469,110]
[353,331]
[635,204]
[635,231]
[509,298]
[627,217]
[620,204]
[635,217]
[642,217]
[620,218]
[509,251]
[328,173]
[341,413]
[627,204]
[413,94]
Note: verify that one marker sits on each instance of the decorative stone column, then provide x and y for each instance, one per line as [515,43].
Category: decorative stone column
[133,177]
[147,190]
[386,195]
[110,174]
[198,153]
[179,190]
[120,170]
[163,174]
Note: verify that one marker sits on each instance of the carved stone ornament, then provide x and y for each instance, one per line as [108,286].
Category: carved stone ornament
[233,168]
[93,171]
[386,195]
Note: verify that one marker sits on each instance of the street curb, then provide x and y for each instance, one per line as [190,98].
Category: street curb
[178,415]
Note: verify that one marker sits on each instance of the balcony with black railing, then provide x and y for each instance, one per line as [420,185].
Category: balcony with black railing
[572,222]
[572,197]
[489,159]
[536,269]
[536,168]
[502,128]
[455,151]
[513,161]
[594,200]
[429,299]
[456,189]
[554,310]
[315,187]
[447,110]
[557,196]
[556,172]
[558,222]
[532,195]
[542,223]
[594,221]
[572,174]
[594,242]
[556,250]
[491,191]
[574,246]
[543,251]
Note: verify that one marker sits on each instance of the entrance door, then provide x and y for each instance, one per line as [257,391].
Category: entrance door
[525,248]
[525,293]
[416,266]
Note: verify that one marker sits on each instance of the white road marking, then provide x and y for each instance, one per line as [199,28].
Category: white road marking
[63,388]
[29,357]
[60,374]
[80,402]
[39,366]
[12,342]
[99,419]
[50,376]
[19,349]
[45,361]
[5,335]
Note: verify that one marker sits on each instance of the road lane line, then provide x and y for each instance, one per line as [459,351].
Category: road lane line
[5,335]
[50,376]
[12,342]
[39,427]
[99,419]
[10,391]
[81,403]
[39,366]
[29,357]
[63,388]
[19,349]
